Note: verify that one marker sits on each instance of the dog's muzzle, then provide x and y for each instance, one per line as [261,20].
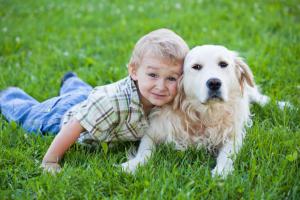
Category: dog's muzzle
[214,85]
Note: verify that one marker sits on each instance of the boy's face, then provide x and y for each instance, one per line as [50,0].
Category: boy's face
[157,80]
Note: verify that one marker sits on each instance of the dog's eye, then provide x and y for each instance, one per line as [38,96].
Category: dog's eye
[197,67]
[223,64]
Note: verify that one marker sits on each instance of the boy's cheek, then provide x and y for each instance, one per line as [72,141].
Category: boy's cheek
[174,90]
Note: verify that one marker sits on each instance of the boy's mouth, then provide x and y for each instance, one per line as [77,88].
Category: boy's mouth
[159,96]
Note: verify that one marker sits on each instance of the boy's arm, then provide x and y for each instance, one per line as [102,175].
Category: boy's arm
[61,143]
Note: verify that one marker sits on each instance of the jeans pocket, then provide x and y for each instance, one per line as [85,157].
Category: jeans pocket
[50,104]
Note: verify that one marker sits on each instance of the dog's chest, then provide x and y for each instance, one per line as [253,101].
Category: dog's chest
[211,128]
[195,129]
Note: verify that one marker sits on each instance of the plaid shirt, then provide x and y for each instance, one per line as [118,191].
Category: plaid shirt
[111,113]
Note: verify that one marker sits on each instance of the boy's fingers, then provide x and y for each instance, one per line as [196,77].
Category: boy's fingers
[52,168]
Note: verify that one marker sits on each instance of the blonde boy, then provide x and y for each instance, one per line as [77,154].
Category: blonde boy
[118,112]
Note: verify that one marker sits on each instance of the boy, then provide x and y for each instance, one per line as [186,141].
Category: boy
[115,112]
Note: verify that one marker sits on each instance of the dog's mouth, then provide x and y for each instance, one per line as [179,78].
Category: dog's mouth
[215,96]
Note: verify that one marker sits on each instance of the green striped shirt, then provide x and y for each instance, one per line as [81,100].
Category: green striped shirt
[110,113]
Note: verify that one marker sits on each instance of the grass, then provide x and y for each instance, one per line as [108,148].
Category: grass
[41,40]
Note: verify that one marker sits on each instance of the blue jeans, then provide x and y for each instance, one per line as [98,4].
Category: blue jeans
[45,117]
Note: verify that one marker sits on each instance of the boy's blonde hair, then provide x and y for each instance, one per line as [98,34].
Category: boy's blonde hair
[163,43]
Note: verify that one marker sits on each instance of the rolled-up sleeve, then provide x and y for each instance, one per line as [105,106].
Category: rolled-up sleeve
[97,114]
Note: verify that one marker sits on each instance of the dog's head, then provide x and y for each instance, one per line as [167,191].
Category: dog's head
[212,72]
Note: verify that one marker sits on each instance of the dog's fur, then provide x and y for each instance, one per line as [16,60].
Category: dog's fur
[210,110]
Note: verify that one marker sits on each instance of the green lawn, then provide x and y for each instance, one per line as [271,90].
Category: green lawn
[41,40]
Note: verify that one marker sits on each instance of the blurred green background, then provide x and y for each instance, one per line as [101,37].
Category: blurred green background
[41,40]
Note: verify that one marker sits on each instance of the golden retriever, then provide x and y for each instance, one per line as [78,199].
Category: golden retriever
[211,108]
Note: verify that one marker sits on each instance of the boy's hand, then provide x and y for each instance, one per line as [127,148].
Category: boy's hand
[65,138]
[52,168]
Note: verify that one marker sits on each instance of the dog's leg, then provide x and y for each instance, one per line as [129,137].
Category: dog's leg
[145,150]
[255,96]
[226,156]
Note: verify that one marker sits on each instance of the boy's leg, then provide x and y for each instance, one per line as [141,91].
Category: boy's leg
[35,117]
[15,103]
[71,83]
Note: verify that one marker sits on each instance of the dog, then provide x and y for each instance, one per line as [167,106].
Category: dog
[211,109]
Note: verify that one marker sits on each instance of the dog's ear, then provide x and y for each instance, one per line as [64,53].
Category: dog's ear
[180,94]
[244,71]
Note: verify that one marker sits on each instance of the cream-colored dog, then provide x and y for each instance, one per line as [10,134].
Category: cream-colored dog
[211,108]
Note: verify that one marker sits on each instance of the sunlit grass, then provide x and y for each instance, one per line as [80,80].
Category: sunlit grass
[41,40]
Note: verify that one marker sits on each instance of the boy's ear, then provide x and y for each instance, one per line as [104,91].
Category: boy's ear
[132,71]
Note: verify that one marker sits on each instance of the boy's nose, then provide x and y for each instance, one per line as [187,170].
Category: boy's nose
[160,84]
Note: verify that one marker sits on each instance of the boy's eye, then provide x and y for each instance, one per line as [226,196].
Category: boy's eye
[172,79]
[152,75]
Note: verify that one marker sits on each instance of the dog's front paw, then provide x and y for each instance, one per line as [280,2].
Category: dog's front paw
[129,167]
[222,171]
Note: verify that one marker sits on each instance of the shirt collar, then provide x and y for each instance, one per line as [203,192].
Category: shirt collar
[135,101]
[135,104]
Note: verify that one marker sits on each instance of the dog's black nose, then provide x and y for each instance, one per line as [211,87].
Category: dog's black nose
[214,84]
